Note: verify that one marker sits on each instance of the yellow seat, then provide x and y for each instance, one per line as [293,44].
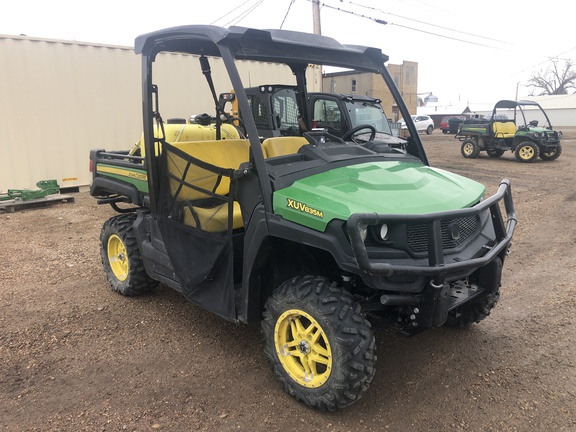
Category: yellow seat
[280,146]
[213,219]
[229,153]
[504,129]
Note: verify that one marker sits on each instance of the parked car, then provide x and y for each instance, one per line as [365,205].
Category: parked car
[450,124]
[422,123]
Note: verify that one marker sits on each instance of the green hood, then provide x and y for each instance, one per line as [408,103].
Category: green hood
[374,187]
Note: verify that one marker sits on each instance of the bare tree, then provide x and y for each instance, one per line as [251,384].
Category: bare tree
[554,80]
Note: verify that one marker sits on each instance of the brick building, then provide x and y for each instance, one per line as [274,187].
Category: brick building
[354,82]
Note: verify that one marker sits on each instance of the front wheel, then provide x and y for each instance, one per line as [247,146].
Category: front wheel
[527,151]
[121,257]
[470,149]
[318,344]
[473,313]
[552,154]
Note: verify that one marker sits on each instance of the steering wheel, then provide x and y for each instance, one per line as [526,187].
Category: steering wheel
[320,137]
[351,134]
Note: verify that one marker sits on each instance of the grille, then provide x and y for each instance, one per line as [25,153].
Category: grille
[551,136]
[418,233]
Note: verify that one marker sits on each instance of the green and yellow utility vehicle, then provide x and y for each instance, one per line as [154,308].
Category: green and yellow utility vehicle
[320,239]
[508,129]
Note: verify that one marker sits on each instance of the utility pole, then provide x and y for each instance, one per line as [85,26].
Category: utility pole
[316,16]
[317,69]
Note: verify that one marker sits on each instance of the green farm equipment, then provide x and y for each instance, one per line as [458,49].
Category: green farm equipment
[46,187]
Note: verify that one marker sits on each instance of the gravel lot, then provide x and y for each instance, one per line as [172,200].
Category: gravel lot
[76,356]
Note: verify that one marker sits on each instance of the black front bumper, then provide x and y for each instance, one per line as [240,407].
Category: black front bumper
[437,266]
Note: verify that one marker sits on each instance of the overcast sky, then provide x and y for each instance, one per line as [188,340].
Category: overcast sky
[468,52]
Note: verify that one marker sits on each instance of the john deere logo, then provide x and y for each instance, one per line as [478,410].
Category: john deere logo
[300,206]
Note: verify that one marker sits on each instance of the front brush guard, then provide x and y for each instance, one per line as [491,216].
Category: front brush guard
[436,265]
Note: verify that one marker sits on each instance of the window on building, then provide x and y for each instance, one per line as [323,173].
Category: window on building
[353,85]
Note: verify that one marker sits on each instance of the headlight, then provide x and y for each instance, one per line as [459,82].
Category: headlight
[384,232]
[537,134]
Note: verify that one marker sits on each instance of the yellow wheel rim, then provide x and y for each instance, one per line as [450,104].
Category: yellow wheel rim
[303,348]
[526,152]
[468,148]
[118,257]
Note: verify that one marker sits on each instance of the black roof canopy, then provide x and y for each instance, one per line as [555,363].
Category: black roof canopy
[282,46]
[513,104]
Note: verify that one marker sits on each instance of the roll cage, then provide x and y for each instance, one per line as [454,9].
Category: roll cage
[518,106]
[295,49]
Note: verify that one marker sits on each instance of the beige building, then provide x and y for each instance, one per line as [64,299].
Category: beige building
[352,82]
[62,98]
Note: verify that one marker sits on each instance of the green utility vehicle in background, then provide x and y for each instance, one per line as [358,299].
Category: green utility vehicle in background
[508,129]
[320,239]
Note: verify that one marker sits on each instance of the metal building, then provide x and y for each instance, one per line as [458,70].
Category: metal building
[62,98]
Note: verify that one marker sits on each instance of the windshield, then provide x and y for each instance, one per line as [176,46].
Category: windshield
[362,113]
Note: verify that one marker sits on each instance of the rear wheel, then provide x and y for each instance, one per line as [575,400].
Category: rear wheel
[318,344]
[470,149]
[495,152]
[430,129]
[121,257]
[552,154]
[527,151]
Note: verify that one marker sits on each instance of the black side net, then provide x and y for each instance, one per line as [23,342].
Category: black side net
[196,208]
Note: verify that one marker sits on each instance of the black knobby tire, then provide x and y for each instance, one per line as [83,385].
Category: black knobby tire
[495,153]
[551,155]
[526,152]
[339,348]
[470,149]
[121,257]
[474,312]
[430,129]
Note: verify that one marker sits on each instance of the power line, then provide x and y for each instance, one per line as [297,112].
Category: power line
[245,14]
[248,12]
[379,21]
[376,20]
[287,12]
[426,23]
[446,37]
[543,62]
[228,13]
[241,15]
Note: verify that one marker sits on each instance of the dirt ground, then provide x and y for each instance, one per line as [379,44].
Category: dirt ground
[76,356]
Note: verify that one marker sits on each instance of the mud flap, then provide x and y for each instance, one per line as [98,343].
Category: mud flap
[490,276]
[438,297]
